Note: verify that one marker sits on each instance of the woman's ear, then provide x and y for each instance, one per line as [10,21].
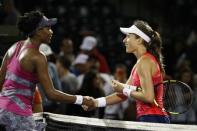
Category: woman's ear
[39,32]
[140,40]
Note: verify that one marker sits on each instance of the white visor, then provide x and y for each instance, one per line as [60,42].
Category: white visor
[133,29]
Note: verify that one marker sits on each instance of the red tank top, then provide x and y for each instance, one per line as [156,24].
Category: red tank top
[147,108]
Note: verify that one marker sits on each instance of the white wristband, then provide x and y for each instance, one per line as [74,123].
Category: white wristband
[101,102]
[79,99]
[128,89]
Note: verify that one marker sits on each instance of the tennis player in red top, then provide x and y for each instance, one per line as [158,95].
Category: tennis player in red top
[145,44]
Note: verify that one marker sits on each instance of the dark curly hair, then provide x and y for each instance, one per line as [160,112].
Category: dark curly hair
[29,22]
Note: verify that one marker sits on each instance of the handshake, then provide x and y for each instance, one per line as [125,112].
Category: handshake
[89,103]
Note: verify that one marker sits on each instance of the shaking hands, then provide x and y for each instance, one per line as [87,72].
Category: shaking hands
[92,103]
[89,103]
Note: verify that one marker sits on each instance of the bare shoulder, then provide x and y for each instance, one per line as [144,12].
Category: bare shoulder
[11,50]
[146,63]
[38,57]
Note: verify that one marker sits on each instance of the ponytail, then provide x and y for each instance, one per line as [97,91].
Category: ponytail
[155,45]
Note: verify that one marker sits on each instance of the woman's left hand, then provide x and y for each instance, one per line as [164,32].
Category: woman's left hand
[118,87]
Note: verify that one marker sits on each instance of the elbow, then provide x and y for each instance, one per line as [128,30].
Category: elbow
[150,99]
[51,95]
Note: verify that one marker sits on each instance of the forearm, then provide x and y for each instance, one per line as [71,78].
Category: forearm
[57,95]
[110,100]
[115,98]
[133,91]
[141,96]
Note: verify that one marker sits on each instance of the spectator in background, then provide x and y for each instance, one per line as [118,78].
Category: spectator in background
[187,56]
[9,14]
[128,111]
[117,111]
[50,106]
[185,75]
[89,47]
[92,63]
[68,80]
[80,65]
[67,49]
[91,86]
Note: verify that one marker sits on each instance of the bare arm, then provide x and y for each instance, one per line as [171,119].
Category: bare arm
[104,101]
[46,82]
[145,70]
[115,98]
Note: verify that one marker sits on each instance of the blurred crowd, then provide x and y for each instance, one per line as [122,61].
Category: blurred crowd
[87,52]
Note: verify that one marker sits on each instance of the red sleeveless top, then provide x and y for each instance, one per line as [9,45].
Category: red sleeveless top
[147,108]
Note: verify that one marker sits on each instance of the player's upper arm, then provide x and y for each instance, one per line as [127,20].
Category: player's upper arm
[43,74]
[145,75]
[11,50]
